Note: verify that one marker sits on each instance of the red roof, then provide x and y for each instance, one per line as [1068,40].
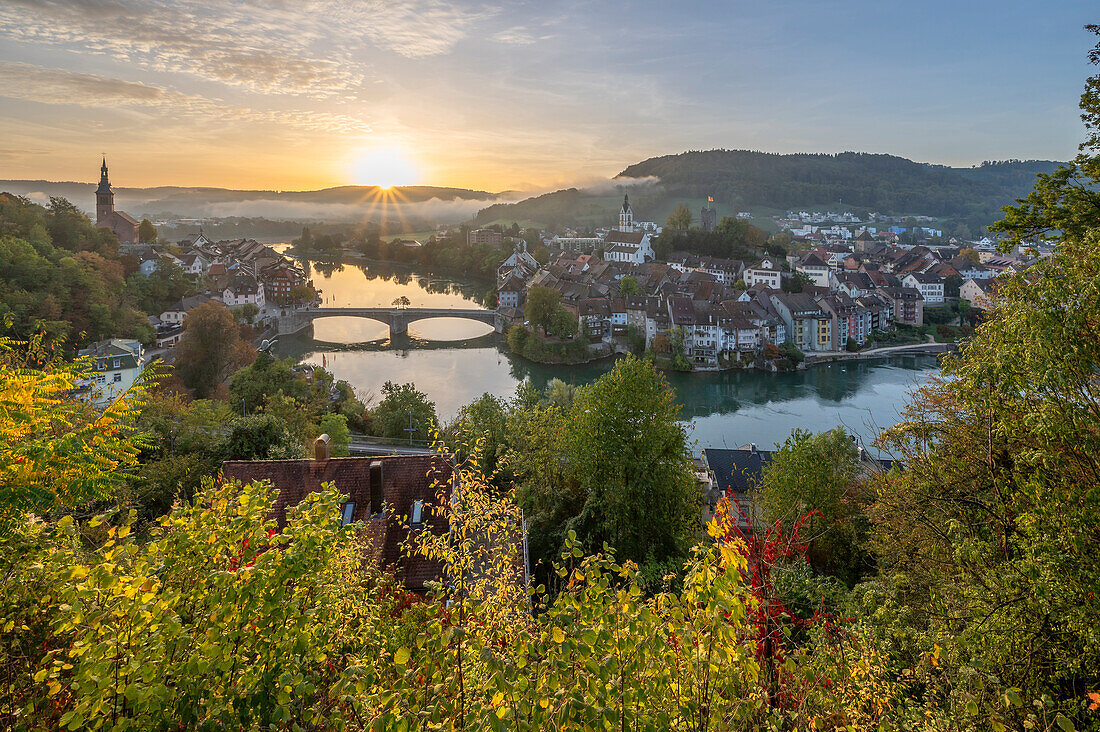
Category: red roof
[404,479]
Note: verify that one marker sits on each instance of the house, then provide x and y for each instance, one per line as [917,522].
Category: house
[816,269]
[628,246]
[808,327]
[243,289]
[194,263]
[511,293]
[978,292]
[380,493]
[906,304]
[737,474]
[484,236]
[929,285]
[176,312]
[765,273]
[850,320]
[279,281]
[118,363]
[520,259]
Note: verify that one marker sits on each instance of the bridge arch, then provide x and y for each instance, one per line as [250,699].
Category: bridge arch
[397,319]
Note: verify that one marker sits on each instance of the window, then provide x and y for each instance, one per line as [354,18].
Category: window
[416,515]
[118,378]
[117,363]
[346,513]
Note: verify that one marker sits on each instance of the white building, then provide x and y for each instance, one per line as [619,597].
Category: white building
[243,289]
[118,363]
[929,286]
[764,273]
[816,269]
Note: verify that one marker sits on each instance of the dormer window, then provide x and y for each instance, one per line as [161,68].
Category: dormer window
[116,363]
[346,513]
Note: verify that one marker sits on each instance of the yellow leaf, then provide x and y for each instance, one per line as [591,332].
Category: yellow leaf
[498,698]
[401,656]
[559,636]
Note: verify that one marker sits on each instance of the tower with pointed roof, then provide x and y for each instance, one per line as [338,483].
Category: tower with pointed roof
[124,225]
[626,215]
[104,197]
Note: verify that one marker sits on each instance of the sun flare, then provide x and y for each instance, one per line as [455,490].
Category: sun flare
[384,168]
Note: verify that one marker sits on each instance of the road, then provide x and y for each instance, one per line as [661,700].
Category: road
[362,447]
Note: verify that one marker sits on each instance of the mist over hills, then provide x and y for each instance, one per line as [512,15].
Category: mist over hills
[770,183]
[739,180]
[343,203]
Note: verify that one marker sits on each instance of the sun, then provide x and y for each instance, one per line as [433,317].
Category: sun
[384,168]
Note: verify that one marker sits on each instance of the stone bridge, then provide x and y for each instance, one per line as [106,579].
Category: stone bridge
[397,319]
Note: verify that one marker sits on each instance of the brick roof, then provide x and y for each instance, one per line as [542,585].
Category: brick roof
[405,479]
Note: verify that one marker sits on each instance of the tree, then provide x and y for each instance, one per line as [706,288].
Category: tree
[482,428]
[680,218]
[261,437]
[971,254]
[210,349]
[1063,203]
[797,282]
[815,481]
[56,451]
[983,534]
[147,233]
[563,324]
[490,299]
[336,427]
[542,303]
[628,286]
[951,285]
[964,311]
[401,302]
[517,338]
[245,313]
[404,407]
[628,454]
[302,294]
[250,386]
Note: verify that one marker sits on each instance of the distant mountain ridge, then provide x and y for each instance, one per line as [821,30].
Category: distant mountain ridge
[198,200]
[744,179]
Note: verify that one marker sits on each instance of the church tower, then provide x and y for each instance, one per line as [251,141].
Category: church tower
[104,197]
[626,216]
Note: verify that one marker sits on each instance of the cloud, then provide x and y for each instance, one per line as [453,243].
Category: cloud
[58,86]
[615,185]
[517,36]
[306,47]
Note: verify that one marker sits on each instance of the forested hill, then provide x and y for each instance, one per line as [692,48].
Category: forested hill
[884,183]
[745,180]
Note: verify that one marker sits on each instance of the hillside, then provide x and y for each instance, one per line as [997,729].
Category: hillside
[765,182]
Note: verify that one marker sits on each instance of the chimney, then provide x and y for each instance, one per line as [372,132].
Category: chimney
[320,448]
[752,447]
[375,478]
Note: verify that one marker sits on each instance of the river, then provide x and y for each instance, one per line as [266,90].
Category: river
[454,361]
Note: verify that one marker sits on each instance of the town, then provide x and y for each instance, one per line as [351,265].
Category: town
[843,289]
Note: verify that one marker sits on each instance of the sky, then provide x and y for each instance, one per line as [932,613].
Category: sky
[524,95]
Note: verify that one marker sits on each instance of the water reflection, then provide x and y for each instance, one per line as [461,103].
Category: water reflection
[731,408]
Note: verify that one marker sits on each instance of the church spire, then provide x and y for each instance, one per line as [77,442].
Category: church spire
[626,216]
[104,196]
